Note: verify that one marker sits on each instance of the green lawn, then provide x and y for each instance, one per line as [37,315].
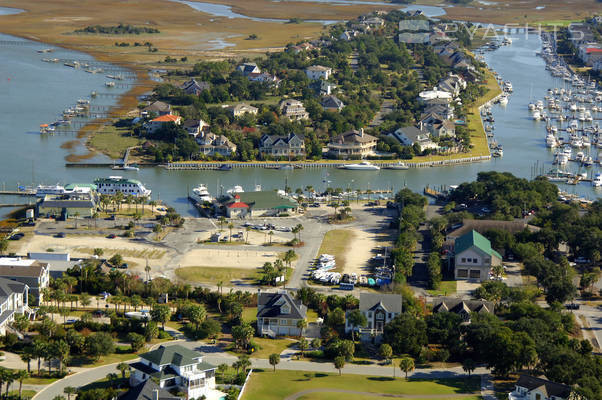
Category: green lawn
[25,394]
[261,385]
[34,380]
[268,346]
[338,396]
[113,141]
[249,314]
[104,360]
[336,243]
[445,289]
[216,274]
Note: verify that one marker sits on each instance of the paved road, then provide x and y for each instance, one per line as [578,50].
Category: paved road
[215,356]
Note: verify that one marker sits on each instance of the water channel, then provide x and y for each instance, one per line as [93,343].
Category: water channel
[33,92]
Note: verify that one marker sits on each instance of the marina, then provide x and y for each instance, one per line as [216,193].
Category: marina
[525,152]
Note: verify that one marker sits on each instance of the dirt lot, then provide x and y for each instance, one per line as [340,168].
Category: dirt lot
[229,258]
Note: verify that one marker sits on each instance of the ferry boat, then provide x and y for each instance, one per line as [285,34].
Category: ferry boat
[115,184]
[597,181]
[363,166]
[200,194]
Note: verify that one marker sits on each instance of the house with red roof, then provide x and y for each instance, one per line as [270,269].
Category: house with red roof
[236,208]
[158,123]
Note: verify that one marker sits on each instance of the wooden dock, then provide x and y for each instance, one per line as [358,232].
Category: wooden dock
[17,192]
[434,193]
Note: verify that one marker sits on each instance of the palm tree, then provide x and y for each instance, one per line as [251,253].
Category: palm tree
[301,325]
[9,378]
[27,356]
[247,229]
[147,269]
[270,234]
[230,227]
[129,199]
[76,217]
[95,216]
[153,204]
[299,228]
[221,221]
[21,375]
[407,365]
[118,199]
[123,367]
[69,390]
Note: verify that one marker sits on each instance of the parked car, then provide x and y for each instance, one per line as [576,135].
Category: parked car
[582,260]
[123,266]
[60,235]
[16,236]
[572,306]
[111,236]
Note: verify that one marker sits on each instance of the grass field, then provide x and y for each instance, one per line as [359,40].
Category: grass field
[213,275]
[338,396]
[113,141]
[445,289]
[151,254]
[271,346]
[336,243]
[261,385]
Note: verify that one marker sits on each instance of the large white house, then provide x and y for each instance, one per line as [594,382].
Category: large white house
[13,300]
[531,388]
[316,72]
[379,309]
[179,368]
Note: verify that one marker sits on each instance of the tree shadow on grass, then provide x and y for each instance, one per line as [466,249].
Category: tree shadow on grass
[381,378]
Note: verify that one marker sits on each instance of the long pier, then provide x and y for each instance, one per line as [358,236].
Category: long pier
[207,165]
[17,192]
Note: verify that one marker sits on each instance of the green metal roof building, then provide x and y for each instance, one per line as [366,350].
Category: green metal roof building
[474,257]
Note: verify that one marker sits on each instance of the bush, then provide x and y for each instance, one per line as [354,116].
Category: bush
[314,354]
[164,335]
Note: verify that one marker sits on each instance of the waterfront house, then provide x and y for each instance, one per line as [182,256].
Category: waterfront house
[411,135]
[13,300]
[147,390]
[453,84]
[293,110]
[212,144]
[278,314]
[195,127]
[248,68]
[175,367]
[474,257]
[157,123]
[292,145]
[316,72]
[64,206]
[435,93]
[332,103]
[462,307]
[440,107]
[379,309]
[241,109]
[236,208]
[528,387]
[352,144]
[195,88]
[437,126]
[156,108]
[482,226]
[35,274]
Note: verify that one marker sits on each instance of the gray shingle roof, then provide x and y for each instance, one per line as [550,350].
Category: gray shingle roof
[174,355]
[390,302]
[455,305]
[267,305]
[549,388]
[145,391]
[8,287]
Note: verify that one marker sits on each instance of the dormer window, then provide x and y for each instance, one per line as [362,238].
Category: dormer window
[285,309]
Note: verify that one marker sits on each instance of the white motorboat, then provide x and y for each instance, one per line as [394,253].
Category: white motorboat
[363,166]
[503,100]
[531,106]
[200,194]
[577,142]
[235,189]
[399,166]
[536,115]
[597,181]
[551,140]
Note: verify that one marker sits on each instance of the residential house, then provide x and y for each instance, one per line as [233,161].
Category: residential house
[437,126]
[293,110]
[352,144]
[323,88]
[157,123]
[211,144]
[147,390]
[306,46]
[35,274]
[316,72]
[462,307]
[264,77]
[278,314]
[156,108]
[440,107]
[580,33]
[453,84]
[196,126]
[248,68]
[292,145]
[346,36]
[177,368]
[379,309]
[13,300]
[531,388]
[332,103]
[373,22]
[411,135]
[428,95]
[241,109]
[195,88]
[414,37]
[474,257]
[64,206]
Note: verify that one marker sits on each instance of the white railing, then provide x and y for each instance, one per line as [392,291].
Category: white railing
[242,390]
